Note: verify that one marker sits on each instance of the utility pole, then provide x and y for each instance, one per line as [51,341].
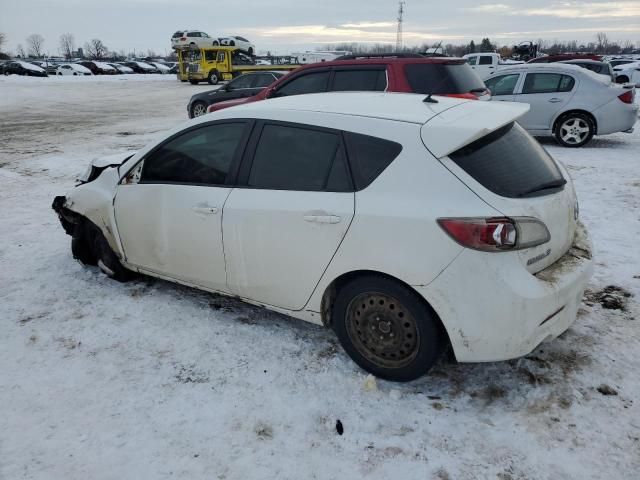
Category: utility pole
[399,34]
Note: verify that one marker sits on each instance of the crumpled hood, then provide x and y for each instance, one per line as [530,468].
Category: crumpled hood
[113,160]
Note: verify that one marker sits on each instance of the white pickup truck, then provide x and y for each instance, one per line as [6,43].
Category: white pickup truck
[486,64]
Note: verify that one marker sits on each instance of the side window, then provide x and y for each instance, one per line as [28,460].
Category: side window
[210,55]
[293,158]
[503,84]
[242,39]
[201,156]
[310,83]
[191,34]
[220,57]
[547,83]
[243,81]
[369,156]
[485,60]
[359,80]
[472,60]
[263,80]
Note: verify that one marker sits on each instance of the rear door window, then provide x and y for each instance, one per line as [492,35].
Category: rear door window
[438,78]
[510,163]
[547,83]
[485,60]
[369,156]
[295,158]
[369,80]
[310,83]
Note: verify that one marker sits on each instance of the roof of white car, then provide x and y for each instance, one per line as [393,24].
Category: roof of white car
[555,67]
[447,124]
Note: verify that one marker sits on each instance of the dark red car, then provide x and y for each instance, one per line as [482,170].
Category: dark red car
[392,73]
[566,56]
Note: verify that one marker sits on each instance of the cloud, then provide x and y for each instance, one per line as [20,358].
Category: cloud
[369,25]
[490,8]
[586,10]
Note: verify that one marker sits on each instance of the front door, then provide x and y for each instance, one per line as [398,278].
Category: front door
[292,208]
[170,218]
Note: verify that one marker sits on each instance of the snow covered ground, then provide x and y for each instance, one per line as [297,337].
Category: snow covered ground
[147,379]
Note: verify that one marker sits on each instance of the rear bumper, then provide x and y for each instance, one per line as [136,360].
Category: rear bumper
[493,309]
[616,116]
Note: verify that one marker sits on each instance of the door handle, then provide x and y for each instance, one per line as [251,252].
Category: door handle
[205,210]
[322,218]
[555,100]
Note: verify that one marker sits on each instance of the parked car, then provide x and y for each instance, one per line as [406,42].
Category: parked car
[73,69]
[161,67]
[622,61]
[392,73]
[49,67]
[566,56]
[601,68]
[19,67]
[628,73]
[486,64]
[314,206]
[236,41]
[571,103]
[141,67]
[243,86]
[98,68]
[195,38]
[122,68]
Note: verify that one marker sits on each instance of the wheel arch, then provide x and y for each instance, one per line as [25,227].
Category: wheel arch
[331,291]
[575,110]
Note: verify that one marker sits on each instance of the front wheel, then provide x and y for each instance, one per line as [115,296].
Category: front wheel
[198,109]
[107,260]
[574,130]
[193,82]
[213,78]
[622,79]
[250,51]
[387,329]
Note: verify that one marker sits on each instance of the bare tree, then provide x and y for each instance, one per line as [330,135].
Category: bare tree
[603,42]
[20,51]
[35,42]
[3,39]
[67,45]
[95,49]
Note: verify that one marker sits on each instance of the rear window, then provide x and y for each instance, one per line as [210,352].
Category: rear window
[510,163]
[442,78]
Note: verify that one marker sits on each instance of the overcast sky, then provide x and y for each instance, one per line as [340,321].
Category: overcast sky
[283,26]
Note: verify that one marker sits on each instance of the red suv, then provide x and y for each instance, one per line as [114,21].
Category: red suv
[407,73]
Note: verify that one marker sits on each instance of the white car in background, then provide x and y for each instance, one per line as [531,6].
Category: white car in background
[236,41]
[628,73]
[195,38]
[403,225]
[569,102]
[162,68]
[72,69]
[487,64]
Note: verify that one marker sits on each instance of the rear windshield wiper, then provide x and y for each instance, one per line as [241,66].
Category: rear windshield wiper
[544,186]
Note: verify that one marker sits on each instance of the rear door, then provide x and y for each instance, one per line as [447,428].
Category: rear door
[285,220]
[547,93]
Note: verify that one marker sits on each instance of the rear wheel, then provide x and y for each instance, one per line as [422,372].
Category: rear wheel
[198,109]
[622,79]
[387,329]
[574,130]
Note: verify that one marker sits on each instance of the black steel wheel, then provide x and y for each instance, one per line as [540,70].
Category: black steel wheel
[387,329]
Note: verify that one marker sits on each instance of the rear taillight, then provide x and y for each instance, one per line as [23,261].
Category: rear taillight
[496,234]
[182,39]
[627,97]
[481,92]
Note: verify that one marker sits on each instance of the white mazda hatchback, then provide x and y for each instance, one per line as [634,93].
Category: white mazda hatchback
[405,224]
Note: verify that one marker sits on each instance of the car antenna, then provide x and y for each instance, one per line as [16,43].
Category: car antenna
[428,98]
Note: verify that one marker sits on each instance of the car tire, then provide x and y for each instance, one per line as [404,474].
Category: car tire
[574,130]
[194,82]
[250,51]
[107,260]
[232,43]
[198,109]
[622,79]
[214,77]
[82,244]
[216,43]
[387,329]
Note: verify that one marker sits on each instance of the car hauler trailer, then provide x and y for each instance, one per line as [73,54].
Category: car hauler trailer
[213,64]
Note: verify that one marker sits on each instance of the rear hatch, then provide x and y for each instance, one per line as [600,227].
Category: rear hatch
[454,78]
[513,173]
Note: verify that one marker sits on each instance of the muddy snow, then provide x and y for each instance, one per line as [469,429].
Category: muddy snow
[147,379]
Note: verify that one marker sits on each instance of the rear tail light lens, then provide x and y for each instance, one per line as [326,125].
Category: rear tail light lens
[627,97]
[182,39]
[496,234]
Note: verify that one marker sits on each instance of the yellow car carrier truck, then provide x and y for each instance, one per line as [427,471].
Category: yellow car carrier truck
[213,64]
